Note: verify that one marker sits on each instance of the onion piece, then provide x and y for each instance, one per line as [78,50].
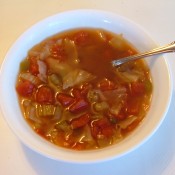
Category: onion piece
[42,70]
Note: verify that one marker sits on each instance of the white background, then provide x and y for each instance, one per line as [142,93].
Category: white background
[157,155]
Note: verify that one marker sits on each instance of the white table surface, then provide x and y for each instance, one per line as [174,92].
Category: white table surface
[157,155]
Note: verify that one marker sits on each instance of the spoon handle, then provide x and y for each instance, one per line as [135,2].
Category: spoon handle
[164,49]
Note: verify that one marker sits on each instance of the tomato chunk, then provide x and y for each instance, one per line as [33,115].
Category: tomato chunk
[78,106]
[25,88]
[65,99]
[106,84]
[137,88]
[81,38]
[45,95]
[33,66]
[58,52]
[133,107]
[80,121]
[102,127]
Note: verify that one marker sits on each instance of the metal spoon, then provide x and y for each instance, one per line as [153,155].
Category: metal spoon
[164,49]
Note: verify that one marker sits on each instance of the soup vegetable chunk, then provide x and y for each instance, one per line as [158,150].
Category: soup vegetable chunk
[71,95]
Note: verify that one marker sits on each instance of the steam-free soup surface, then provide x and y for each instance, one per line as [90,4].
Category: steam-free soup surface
[71,95]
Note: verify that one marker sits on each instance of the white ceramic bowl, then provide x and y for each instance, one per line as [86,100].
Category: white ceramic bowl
[75,19]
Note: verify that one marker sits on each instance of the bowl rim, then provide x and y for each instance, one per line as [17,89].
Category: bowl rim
[35,147]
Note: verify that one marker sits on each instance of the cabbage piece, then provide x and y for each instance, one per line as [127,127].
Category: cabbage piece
[71,51]
[55,82]
[104,141]
[118,42]
[117,95]
[45,52]
[42,53]
[87,135]
[30,110]
[128,76]
[58,67]
[55,79]
[130,72]
[28,76]
[125,123]
[76,77]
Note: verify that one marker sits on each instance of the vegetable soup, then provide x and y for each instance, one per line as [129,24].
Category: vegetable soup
[71,95]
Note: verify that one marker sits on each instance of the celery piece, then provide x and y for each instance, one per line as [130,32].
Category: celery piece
[63,125]
[45,110]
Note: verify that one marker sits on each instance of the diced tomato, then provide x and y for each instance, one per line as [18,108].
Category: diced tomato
[57,51]
[106,85]
[95,130]
[108,131]
[33,66]
[25,88]
[65,99]
[137,88]
[45,95]
[78,106]
[102,127]
[81,38]
[80,121]
[121,116]
[133,107]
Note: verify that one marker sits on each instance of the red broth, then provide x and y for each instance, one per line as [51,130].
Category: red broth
[71,95]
